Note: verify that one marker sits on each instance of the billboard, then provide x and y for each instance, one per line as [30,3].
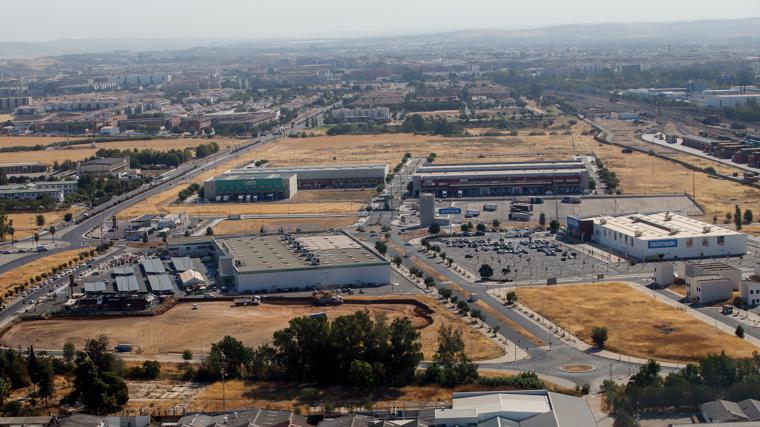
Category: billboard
[664,243]
[449,211]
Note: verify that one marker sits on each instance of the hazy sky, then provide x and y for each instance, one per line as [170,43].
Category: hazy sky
[39,20]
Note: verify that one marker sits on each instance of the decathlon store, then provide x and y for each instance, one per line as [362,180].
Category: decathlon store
[666,236]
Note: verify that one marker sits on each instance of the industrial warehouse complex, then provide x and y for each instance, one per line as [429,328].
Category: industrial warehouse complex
[271,262]
[501,179]
[663,235]
[253,183]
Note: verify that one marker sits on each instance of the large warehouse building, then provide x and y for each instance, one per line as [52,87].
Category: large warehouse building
[316,177]
[272,262]
[250,187]
[663,235]
[501,179]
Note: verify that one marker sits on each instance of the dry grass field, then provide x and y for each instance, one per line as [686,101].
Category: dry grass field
[662,176]
[22,274]
[305,224]
[184,328]
[25,225]
[638,324]
[80,152]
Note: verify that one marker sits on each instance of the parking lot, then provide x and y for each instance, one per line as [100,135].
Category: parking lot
[589,206]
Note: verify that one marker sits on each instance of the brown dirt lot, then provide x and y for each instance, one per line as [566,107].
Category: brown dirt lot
[184,328]
[305,224]
[22,274]
[638,325]
[80,152]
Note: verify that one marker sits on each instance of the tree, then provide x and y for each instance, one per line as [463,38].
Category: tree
[381,247]
[209,231]
[397,261]
[554,226]
[542,219]
[98,390]
[738,217]
[511,297]
[465,228]
[481,227]
[451,366]
[52,231]
[45,380]
[40,220]
[12,231]
[739,331]
[485,271]
[68,217]
[599,336]
[230,354]
[505,271]
[36,238]
[361,375]
[495,224]
[434,228]
[748,216]
[69,351]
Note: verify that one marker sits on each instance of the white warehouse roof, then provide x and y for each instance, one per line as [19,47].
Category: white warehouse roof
[660,225]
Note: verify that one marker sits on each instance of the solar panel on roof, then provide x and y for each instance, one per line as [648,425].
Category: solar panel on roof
[160,282]
[123,271]
[153,266]
[127,284]
[182,264]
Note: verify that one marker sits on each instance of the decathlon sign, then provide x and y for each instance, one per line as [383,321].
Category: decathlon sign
[666,243]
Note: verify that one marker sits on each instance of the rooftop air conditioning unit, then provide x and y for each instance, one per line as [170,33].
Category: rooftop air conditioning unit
[706,229]
[668,216]
[638,233]
[673,232]
[602,221]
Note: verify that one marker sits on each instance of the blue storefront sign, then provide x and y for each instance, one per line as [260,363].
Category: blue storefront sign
[449,211]
[573,225]
[665,243]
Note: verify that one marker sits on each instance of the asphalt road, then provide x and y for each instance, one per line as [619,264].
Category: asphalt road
[73,235]
[544,360]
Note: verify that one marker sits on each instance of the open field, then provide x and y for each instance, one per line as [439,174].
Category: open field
[305,224]
[184,328]
[25,225]
[80,152]
[22,274]
[638,324]
[662,176]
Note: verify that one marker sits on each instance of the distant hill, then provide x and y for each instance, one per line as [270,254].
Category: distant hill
[674,32]
[690,32]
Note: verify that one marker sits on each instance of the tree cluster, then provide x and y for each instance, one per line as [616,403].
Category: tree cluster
[716,376]
[352,350]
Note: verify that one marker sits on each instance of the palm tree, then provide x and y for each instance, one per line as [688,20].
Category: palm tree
[36,238]
[12,232]
[52,231]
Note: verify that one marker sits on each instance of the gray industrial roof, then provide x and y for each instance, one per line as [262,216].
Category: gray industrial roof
[123,271]
[127,284]
[350,420]
[270,252]
[153,266]
[182,264]
[254,417]
[160,282]
[91,287]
